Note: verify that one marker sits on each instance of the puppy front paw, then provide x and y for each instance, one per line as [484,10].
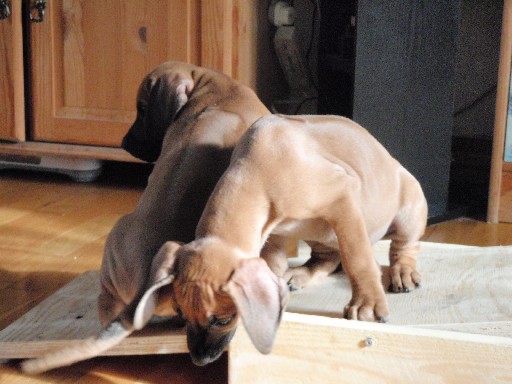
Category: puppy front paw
[404,278]
[367,308]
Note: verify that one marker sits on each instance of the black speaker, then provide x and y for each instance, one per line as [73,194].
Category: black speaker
[390,66]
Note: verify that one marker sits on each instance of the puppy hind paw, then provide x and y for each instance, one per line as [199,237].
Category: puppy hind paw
[297,278]
[401,289]
[294,284]
[404,279]
[291,287]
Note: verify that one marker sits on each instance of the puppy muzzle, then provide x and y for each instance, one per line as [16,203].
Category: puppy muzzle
[206,345]
[141,149]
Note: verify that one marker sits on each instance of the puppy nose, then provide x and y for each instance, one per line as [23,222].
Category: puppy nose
[205,346]
[197,341]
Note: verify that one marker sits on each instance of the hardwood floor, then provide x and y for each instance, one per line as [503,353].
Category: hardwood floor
[468,231]
[52,229]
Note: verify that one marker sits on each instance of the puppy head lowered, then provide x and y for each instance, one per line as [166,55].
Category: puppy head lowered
[211,286]
[162,93]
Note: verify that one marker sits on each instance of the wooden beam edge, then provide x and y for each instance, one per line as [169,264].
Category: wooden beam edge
[489,328]
[158,343]
[403,330]
[316,349]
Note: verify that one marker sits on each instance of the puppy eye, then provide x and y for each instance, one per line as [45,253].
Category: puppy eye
[216,322]
[141,108]
[179,312]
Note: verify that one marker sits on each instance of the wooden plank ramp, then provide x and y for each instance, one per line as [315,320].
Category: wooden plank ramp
[70,315]
[314,349]
[461,285]
[457,328]
[465,289]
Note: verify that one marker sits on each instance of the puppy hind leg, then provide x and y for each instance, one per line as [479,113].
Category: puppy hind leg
[275,253]
[402,270]
[109,307]
[322,263]
[405,243]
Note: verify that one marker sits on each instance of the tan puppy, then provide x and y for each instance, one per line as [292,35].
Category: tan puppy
[319,178]
[194,117]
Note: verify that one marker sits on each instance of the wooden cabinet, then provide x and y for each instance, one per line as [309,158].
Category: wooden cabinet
[86,60]
[12,109]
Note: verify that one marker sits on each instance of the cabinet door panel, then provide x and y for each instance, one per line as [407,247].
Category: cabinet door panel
[12,109]
[88,58]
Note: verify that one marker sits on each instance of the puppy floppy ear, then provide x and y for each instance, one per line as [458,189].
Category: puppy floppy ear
[155,113]
[260,297]
[160,276]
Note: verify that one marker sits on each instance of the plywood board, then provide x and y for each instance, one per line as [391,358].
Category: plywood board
[460,285]
[313,349]
[465,289]
[70,315]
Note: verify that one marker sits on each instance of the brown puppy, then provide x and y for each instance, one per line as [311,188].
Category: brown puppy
[189,118]
[319,178]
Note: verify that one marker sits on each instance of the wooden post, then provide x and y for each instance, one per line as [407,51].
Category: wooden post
[500,121]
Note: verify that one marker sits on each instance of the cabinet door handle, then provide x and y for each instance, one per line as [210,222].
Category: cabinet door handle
[5,11]
[37,11]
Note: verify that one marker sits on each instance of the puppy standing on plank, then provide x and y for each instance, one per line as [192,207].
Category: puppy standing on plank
[189,118]
[320,178]
[323,179]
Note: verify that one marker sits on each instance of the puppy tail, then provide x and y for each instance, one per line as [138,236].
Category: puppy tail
[112,335]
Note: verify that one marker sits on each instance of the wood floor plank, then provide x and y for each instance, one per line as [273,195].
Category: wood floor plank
[79,235]
[470,232]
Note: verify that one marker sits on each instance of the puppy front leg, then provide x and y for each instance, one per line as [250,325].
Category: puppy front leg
[368,298]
